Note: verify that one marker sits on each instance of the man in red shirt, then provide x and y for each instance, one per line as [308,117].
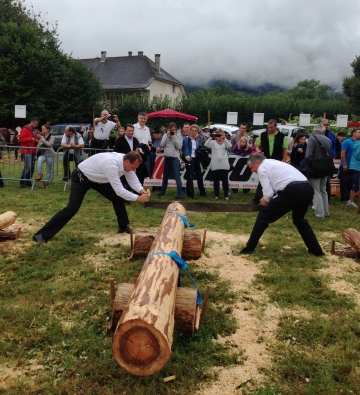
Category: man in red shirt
[28,140]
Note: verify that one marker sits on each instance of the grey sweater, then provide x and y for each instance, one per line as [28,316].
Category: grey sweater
[172,145]
[219,154]
[313,150]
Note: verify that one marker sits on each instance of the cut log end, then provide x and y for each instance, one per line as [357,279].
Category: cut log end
[140,349]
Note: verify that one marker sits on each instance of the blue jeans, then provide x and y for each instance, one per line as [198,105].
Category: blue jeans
[49,165]
[28,172]
[174,164]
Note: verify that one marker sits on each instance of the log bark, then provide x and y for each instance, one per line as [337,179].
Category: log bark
[185,307]
[7,219]
[352,237]
[192,246]
[144,335]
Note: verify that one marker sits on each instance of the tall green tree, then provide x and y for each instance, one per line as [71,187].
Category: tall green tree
[351,87]
[309,89]
[36,73]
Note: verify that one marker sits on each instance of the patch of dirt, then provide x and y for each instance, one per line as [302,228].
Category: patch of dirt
[9,374]
[253,333]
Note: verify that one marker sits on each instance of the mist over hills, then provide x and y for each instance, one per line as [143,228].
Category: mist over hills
[237,86]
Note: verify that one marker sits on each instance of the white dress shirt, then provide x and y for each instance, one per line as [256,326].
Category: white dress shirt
[71,140]
[142,134]
[109,167]
[275,176]
[130,142]
[102,130]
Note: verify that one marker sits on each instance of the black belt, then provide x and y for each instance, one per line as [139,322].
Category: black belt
[291,183]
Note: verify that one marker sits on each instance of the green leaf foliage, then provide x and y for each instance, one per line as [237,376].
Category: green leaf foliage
[34,71]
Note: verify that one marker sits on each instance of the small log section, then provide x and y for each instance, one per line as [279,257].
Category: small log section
[144,334]
[185,314]
[352,237]
[192,246]
[7,219]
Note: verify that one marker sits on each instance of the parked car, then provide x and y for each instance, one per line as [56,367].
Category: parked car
[289,131]
[58,130]
[228,129]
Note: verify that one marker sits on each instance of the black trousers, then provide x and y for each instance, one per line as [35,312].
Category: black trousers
[77,194]
[221,175]
[66,163]
[296,198]
[258,193]
[345,183]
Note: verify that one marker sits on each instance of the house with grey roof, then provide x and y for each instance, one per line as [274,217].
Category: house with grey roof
[128,75]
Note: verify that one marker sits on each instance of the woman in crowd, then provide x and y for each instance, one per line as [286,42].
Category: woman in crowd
[172,143]
[112,140]
[243,148]
[298,150]
[190,144]
[46,140]
[219,164]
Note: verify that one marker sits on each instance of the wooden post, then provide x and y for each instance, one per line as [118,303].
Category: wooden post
[144,335]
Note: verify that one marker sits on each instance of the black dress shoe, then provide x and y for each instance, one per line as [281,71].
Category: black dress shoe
[124,229]
[160,194]
[39,238]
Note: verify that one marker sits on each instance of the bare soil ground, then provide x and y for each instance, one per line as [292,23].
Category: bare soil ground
[257,317]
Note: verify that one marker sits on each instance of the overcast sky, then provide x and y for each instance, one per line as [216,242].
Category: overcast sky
[253,41]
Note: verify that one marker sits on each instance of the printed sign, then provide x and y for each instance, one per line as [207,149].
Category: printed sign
[239,177]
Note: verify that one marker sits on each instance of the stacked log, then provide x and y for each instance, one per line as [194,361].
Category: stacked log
[185,314]
[7,219]
[144,335]
[192,246]
[352,237]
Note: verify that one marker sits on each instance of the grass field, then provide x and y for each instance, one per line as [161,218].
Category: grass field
[55,303]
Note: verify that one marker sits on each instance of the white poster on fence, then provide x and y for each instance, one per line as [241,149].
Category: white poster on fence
[20,111]
[342,121]
[258,119]
[232,118]
[304,120]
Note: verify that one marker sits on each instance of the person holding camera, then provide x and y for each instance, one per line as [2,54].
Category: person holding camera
[219,164]
[298,150]
[171,143]
[103,126]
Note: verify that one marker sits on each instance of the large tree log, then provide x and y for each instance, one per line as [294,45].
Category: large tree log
[185,307]
[352,237]
[7,219]
[144,335]
[192,247]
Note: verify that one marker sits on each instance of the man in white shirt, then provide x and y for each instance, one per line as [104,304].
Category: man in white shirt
[73,145]
[284,189]
[103,127]
[102,173]
[141,131]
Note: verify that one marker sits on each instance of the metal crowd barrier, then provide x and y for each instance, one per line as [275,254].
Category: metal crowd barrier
[12,165]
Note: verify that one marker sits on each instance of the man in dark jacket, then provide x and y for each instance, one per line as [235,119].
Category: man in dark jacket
[273,145]
[314,151]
